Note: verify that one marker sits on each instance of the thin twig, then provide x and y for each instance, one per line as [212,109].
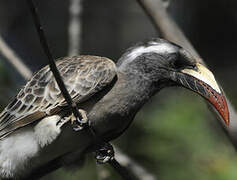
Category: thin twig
[74,28]
[122,170]
[52,64]
[26,73]
[133,166]
[97,141]
[74,45]
[14,59]
[102,172]
[74,41]
[169,30]
[165,25]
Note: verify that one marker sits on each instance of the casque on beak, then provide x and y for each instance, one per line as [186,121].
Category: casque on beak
[202,81]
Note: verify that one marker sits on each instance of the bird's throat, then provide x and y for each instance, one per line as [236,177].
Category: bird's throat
[115,111]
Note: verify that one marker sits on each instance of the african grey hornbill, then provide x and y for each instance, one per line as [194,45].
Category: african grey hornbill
[108,95]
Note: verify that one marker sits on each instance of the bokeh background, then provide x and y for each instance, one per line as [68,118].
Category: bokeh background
[174,136]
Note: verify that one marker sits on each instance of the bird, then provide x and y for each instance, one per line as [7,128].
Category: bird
[35,125]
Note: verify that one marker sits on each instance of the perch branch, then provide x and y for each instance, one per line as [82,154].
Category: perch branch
[102,173]
[132,166]
[74,35]
[97,141]
[74,28]
[52,64]
[165,25]
[14,59]
[74,41]
[26,73]
[169,30]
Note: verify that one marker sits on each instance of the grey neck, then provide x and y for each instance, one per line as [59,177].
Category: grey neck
[116,110]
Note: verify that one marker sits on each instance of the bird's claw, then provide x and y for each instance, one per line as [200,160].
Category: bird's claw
[79,124]
[104,154]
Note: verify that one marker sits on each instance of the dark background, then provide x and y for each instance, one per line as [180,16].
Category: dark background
[174,136]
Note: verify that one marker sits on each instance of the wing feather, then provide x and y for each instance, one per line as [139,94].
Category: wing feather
[83,77]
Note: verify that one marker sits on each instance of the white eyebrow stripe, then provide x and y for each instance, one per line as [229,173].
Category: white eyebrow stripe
[156,48]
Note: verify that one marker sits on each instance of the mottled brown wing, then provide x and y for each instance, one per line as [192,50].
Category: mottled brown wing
[83,77]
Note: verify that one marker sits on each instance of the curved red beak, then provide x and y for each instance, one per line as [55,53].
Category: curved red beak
[202,81]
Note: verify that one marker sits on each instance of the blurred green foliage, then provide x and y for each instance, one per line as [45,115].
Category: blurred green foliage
[174,137]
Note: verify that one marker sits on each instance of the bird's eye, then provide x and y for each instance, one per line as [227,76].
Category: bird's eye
[182,62]
[178,64]
[175,61]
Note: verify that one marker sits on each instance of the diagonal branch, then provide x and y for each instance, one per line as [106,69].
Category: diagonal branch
[123,172]
[74,44]
[52,64]
[167,27]
[13,58]
[169,30]
[132,166]
[74,27]
[26,73]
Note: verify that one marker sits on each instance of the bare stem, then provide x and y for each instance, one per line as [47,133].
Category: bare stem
[169,30]
[132,166]
[74,46]
[14,59]
[52,64]
[74,28]
[102,172]
[97,141]
[165,24]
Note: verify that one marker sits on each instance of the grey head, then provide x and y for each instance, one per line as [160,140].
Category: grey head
[164,63]
[156,60]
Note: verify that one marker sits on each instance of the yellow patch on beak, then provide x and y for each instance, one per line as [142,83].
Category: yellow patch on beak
[203,74]
[202,81]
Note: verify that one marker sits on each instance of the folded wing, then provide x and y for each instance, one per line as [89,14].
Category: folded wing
[83,76]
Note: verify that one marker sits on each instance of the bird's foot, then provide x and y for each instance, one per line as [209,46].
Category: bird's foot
[79,124]
[104,153]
